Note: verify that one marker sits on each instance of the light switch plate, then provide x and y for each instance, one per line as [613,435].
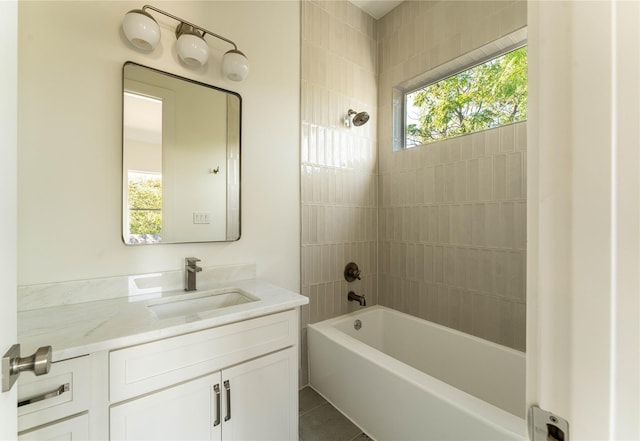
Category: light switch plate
[201,218]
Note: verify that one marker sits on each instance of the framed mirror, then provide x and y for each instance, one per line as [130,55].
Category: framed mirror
[180,159]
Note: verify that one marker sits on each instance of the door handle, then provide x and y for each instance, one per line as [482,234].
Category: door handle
[216,389]
[228,389]
[12,364]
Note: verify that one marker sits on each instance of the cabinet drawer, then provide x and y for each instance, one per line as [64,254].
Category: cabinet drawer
[76,428]
[141,369]
[62,392]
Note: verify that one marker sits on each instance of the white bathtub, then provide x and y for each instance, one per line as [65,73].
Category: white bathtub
[403,378]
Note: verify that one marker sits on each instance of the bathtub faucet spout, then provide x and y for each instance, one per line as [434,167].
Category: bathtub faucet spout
[353,297]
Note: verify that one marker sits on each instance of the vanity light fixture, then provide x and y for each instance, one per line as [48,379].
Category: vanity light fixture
[143,31]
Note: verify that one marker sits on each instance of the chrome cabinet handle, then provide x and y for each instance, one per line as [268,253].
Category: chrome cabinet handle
[216,389]
[45,396]
[228,389]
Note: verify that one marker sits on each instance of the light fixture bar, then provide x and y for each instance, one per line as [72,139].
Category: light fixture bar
[143,32]
[205,31]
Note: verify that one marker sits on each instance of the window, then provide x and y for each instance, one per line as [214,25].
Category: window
[142,141]
[488,95]
[144,207]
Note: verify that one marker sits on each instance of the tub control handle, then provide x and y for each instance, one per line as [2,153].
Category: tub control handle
[351,272]
[228,389]
[216,389]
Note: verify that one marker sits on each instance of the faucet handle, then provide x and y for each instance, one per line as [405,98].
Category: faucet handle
[191,261]
[351,272]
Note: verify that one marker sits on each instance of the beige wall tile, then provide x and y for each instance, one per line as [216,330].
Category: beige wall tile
[438,231]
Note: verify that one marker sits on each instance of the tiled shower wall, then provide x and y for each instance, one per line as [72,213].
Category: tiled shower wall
[453,234]
[452,213]
[339,164]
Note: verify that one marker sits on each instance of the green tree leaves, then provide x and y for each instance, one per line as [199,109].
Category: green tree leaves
[486,96]
[145,204]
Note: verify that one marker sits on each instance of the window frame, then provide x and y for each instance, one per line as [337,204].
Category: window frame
[476,57]
[129,209]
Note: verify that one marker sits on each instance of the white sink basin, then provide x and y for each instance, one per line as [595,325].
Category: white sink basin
[194,303]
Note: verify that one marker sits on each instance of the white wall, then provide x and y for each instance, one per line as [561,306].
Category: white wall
[189,187]
[69,164]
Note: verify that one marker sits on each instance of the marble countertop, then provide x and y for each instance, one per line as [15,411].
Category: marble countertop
[83,328]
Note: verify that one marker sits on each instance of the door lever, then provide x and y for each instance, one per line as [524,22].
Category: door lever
[12,364]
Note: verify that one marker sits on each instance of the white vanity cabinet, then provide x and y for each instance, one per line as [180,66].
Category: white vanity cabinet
[234,382]
[55,406]
[74,428]
[251,401]
[123,372]
[181,412]
[264,399]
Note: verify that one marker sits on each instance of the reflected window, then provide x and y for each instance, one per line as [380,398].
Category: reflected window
[143,135]
[145,207]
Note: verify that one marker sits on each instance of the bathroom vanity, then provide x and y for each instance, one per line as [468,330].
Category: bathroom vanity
[153,367]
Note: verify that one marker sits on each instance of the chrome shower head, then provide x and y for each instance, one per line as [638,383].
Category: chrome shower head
[359,119]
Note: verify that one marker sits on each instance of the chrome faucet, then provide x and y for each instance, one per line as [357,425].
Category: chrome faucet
[353,297]
[190,271]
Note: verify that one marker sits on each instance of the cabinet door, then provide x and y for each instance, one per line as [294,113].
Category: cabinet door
[263,398]
[184,412]
[76,428]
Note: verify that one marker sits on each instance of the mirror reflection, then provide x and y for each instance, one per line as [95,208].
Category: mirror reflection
[181,159]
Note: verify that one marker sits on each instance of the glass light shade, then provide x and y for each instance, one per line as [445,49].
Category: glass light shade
[235,65]
[141,29]
[193,50]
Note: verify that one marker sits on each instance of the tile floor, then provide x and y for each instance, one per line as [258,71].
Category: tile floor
[320,421]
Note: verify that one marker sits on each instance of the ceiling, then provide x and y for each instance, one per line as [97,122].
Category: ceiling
[376,8]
